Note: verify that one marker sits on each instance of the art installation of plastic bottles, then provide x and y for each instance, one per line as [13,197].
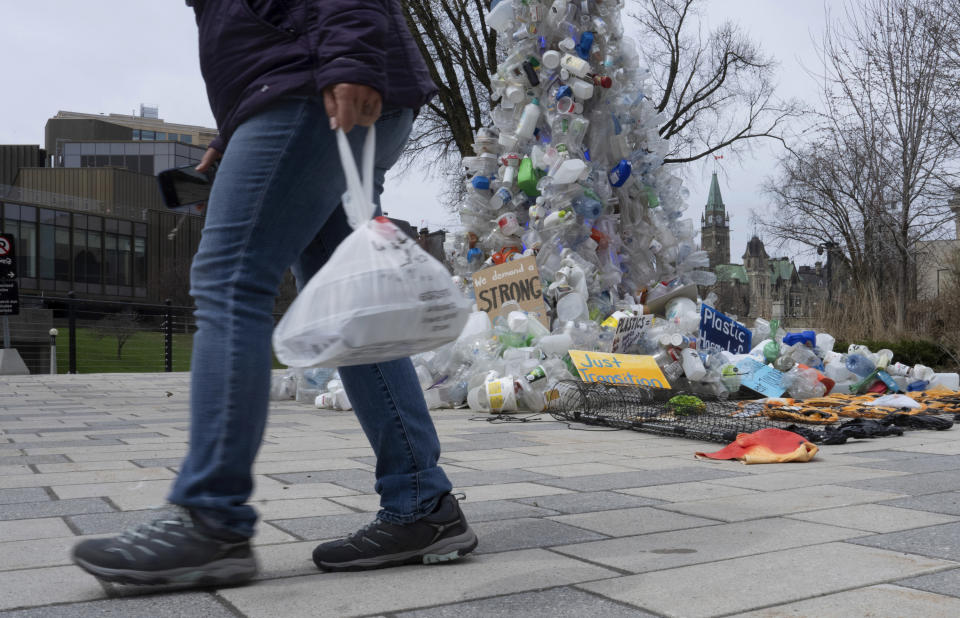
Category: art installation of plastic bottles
[571,172]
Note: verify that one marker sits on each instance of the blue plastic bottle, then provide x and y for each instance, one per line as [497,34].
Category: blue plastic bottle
[859,364]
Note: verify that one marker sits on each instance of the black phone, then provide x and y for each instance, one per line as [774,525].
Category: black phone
[184,189]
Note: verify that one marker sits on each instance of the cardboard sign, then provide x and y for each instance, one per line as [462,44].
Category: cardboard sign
[622,369]
[630,332]
[761,378]
[9,292]
[720,332]
[517,280]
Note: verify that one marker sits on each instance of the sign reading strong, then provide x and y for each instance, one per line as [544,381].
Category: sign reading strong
[517,280]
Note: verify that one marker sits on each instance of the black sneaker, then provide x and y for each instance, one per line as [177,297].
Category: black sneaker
[439,537]
[170,550]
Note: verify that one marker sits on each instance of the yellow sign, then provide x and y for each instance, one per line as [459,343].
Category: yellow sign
[624,369]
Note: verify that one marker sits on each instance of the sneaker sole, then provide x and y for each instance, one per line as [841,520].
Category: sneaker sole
[444,550]
[232,571]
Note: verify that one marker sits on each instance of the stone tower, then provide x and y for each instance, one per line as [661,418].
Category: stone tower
[757,264]
[715,227]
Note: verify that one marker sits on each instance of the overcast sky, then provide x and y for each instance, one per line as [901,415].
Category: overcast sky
[103,56]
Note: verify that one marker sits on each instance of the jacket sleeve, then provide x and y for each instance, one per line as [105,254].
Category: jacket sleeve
[351,40]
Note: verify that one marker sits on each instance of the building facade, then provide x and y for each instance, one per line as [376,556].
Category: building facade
[87,215]
[761,286]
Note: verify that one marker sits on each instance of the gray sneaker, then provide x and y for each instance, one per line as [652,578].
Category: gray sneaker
[441,536]
[174,549]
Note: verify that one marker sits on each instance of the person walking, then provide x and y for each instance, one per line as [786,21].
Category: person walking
[282,76]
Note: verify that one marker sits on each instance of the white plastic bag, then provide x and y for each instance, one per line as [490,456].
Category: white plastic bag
[379,297]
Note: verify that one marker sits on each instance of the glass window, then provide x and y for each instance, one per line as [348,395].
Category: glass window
[136,134]
[132,163]
[62,254]
[28,213]
[11,211]
[88,149]
[46,215]
[131,149]
[110,225]
[80,221]
[181,161]
[103,149]
[146,165]
[46,249]
[96,257]
[186,139]
[116,161]
[27,250]
[71,149]
[140,260]
[80,255]
[124,269]
[102,161]
[71,161]
[126,227]
[12,227]
[62,218]
[116,149]
[148,135]
[110,258]
[94,222]
[140,229]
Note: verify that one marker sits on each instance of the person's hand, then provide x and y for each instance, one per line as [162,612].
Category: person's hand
[211,155]
[351,104]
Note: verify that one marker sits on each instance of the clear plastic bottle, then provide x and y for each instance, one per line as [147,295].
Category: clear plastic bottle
[692,365]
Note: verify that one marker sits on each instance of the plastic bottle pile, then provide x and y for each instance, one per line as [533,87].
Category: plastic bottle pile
[514,363]
[571,172]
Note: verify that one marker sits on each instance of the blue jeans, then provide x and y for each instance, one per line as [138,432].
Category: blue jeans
[276,204]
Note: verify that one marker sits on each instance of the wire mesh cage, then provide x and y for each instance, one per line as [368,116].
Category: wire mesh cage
[697,416]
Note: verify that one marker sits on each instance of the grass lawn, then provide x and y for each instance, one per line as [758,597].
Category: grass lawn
[142,353]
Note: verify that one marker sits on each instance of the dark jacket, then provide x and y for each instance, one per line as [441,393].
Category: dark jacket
[252,52]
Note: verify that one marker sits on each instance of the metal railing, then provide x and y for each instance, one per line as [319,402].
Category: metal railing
[99,336]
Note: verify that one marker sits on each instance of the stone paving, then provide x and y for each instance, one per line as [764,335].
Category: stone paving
[572,521]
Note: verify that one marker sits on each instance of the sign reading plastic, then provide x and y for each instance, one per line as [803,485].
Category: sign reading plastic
[517,280]
[630,332]
[760,378]
[721,332]
[623,369]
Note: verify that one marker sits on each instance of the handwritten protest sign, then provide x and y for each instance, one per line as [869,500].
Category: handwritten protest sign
[630,333]
[623,369]
[517,280]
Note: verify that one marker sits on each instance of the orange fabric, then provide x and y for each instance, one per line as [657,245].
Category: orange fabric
[769,445]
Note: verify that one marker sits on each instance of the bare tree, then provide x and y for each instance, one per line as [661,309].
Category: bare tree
[876,173]
[122,326]
[461,54]
[714,90]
